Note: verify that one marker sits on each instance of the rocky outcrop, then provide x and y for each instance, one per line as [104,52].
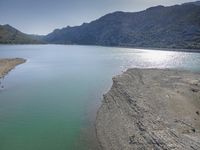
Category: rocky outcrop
[151,109]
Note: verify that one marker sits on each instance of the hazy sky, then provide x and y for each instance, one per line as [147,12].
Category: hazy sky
[43,16]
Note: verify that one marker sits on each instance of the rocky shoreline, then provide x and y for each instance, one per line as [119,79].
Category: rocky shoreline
[7,65]
[151,109]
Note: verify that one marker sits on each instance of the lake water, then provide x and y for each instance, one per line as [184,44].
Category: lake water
[50,102]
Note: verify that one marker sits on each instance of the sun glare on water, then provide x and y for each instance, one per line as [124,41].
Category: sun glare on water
[156,56]
[159,59]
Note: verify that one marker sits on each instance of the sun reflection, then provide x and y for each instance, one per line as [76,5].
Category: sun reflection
[156,56]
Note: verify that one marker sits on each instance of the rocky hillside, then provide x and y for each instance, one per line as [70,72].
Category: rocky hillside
[161,27]
[156,27]
[10,35]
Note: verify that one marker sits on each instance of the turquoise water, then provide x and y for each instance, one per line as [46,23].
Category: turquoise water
[50,102]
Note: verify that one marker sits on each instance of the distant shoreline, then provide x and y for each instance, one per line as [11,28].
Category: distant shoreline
[128,47]
[7,64]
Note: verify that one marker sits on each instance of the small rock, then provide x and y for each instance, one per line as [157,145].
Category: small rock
[193,130]
[197,112]
[194,90]
[131,140]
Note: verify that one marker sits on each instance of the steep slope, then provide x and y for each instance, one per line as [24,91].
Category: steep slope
[10,35]
[162,27]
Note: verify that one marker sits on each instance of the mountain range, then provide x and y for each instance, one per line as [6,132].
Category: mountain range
[175,26]
[10,35]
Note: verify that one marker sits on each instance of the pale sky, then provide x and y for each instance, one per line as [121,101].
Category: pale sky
[43,16]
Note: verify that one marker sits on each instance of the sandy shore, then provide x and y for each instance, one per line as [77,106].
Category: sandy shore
[151,109]
[7,65]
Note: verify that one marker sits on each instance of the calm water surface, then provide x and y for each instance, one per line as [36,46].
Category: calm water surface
[50,102]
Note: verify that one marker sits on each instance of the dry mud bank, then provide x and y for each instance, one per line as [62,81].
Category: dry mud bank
[151,109]
[7,65]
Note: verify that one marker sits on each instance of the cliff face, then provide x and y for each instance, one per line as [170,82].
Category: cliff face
[151,109]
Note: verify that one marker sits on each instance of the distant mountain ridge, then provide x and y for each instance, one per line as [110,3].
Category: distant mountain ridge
[194,3]
[175,26]
[10,35]
[160,27]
